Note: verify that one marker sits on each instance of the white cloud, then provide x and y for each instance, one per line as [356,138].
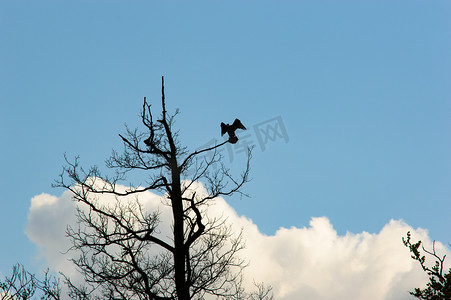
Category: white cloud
[316,263]
[313,262]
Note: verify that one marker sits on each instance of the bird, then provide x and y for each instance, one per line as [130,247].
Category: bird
[230,129]
[147,141]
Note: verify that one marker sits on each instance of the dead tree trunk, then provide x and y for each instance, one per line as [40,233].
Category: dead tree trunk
[200,257]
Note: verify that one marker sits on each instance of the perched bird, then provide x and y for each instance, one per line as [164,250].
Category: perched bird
[230,129]
[147,141]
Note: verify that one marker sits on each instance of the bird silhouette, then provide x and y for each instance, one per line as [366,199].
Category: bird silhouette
[230,129]
[147,141]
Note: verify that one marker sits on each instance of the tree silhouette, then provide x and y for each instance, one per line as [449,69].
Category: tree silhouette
[123,254]
[24,285]
[439,285]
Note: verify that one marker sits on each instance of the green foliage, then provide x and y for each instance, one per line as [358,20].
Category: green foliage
[439,285]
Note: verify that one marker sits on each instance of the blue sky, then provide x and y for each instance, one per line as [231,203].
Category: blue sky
[362,87]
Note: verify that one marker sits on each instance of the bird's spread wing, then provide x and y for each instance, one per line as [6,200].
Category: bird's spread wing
[237,124]
[223,128]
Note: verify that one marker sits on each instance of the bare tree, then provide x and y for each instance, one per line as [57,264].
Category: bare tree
[123,254]
[23,285]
